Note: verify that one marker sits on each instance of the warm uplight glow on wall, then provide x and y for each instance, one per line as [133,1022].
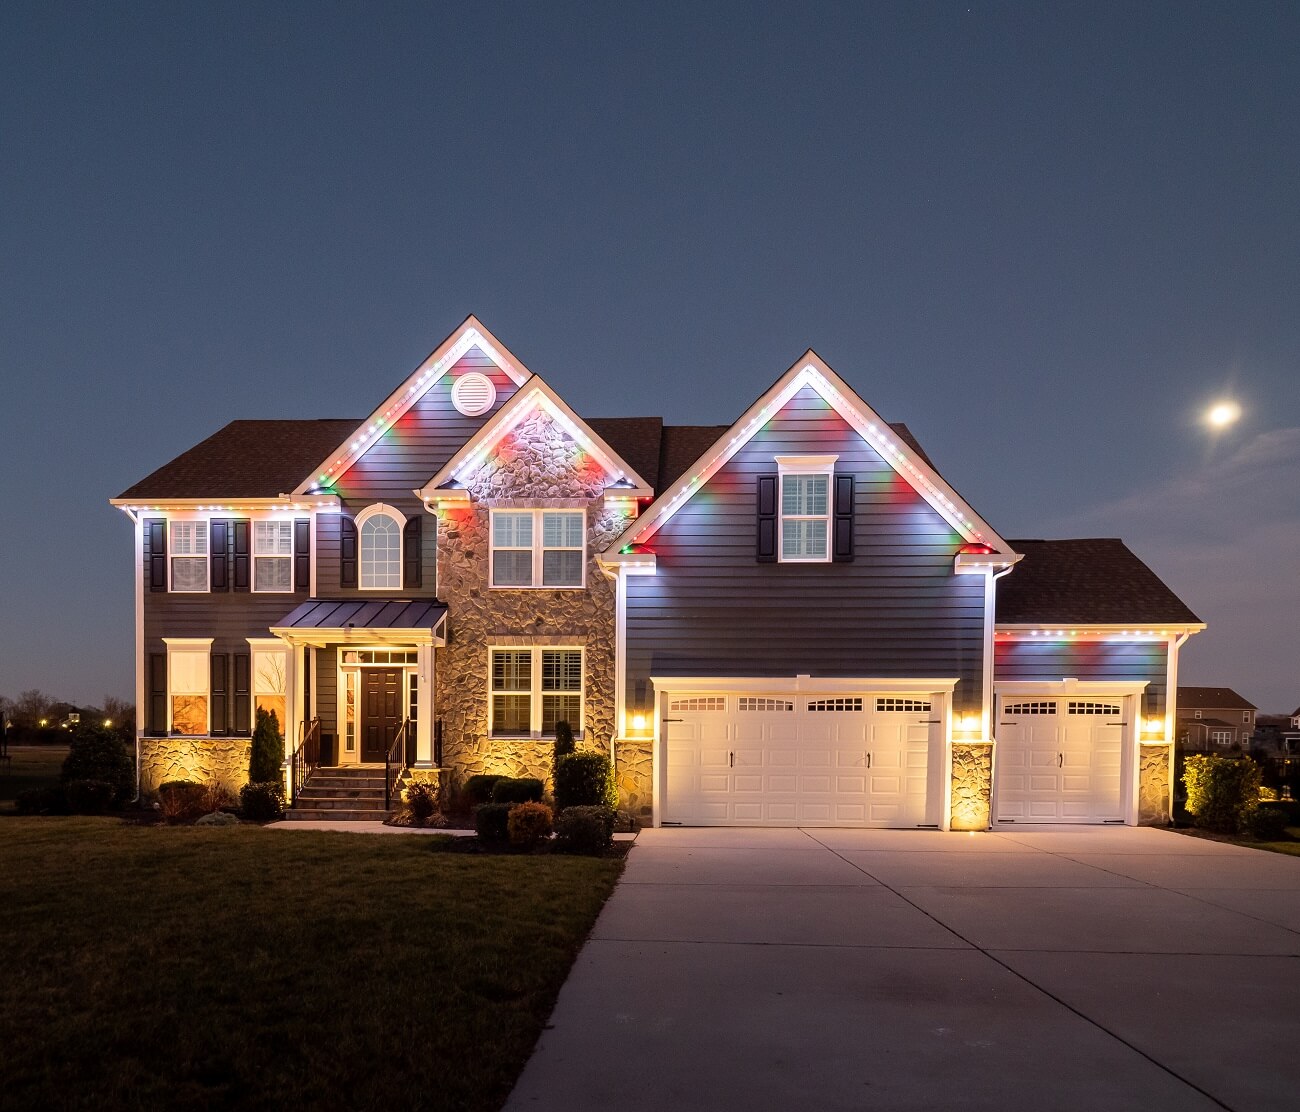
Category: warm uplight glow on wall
[968,724]
[1153,726]
[638,722]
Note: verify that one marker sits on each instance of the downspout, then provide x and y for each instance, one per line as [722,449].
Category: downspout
[1171,709]
[988,687]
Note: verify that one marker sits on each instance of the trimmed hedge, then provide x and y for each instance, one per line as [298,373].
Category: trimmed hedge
[478,789]
[585,779]
[521,789]
[97,754]
[266,754]
[563,739]
[262,802]
[492,821]
[89,797]
[588,830]
[1269,824]
[1222,792]
[182,800]
[42,801]
[528,824]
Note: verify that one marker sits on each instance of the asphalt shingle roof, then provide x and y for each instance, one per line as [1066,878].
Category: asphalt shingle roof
[1211,698]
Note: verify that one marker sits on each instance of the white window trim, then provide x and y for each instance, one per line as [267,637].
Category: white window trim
[254,555]
[190,645]
[799,466]
[389,511]
[206,528]
[535,693]
[539,550]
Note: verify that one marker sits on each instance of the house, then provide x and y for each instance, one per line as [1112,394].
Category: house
[793,619]
[1214,720]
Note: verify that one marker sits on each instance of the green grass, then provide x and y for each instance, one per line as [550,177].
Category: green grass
[151,967]
[30,767]
[1291,846]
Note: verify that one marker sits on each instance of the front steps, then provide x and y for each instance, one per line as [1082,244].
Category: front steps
[354,794]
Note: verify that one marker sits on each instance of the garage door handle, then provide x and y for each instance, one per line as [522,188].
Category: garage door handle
[732,758]
[1060,760]
[868,760]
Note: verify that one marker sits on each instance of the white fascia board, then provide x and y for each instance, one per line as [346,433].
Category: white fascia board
[803,684]
[325,636]
[537,397]
[977,563]
[1069,686]
[299,503]
[472,333]
[1147,631]
[632,563]
[812,371]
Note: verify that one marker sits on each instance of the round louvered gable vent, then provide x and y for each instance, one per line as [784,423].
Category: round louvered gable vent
[473,394]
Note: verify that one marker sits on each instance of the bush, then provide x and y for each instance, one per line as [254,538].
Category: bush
[42,801]
[563,739]
[585,780]
[266,754]
[522,789]
[98,754]
[182,800]
[89,797]
[1222,792]
[491,821]
[262,802]
[528,823]
[422,799]
[1269,824]
[584,830]
[478,789]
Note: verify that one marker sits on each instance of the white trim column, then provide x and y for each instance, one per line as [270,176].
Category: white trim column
[425,702]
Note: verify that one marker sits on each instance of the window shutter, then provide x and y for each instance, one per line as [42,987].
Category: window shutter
[156,715]
[239,561]
[219,580]
[302,555]
[842,522]
[156,553]
[220,701]
[347,552]
[766,546]
[239,682]
[411,552]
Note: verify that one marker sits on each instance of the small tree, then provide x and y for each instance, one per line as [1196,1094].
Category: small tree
[266,756]
[1222,792]
[95,753]
[563,739]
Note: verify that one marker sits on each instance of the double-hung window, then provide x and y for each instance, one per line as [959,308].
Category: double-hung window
[805,504]
[189,555]
[188,684]
[533,689]
[538,548]
[273,556]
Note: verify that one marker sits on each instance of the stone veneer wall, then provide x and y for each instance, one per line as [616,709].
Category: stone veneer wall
[1154,784]
[538,465]
[633,759]
[200,759]
[972,786]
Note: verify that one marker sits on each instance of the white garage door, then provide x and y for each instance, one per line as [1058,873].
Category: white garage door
[1060,760]
[798,760]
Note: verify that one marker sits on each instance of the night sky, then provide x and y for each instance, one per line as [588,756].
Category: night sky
[1047,236]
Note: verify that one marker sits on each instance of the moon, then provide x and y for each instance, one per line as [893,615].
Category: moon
[1222,414]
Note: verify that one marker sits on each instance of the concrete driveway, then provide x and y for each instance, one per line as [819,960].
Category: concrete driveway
[1048,969]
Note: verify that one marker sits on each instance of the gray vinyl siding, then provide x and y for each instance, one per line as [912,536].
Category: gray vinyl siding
[328,531]
[1086,661]
[896,610]
[327,683]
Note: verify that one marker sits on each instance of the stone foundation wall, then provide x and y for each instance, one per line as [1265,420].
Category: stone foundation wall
[200,759]
[506,758]
[972,786]
[1154,784]
[633,774]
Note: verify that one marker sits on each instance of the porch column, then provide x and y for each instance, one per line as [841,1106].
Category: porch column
[424,696]
[293,697]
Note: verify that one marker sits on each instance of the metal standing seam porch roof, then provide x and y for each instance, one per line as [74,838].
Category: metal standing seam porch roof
[380,620]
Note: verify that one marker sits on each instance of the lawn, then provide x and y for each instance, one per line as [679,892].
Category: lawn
[153,967]
[30,766]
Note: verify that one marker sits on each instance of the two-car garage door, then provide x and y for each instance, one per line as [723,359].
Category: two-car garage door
[775,759]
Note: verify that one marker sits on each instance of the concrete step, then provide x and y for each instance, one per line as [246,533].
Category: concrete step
[301,814]
[341,802]
[349,783]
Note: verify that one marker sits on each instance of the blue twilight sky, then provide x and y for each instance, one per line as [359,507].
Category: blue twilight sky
[1044,235]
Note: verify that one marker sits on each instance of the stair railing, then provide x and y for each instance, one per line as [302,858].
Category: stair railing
[395,762]
[306,755]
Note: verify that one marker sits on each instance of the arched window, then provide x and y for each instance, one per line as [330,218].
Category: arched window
[379,529]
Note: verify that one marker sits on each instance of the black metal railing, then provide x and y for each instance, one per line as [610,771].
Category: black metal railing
[306,755]
[396,761]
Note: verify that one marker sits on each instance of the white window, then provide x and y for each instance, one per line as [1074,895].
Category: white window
[805,508]
[1196,714]
[1245,717]
[189,555]
[533,689]
[270,687]
[273,556]
[538,548]
[1221,737]
[379,530]
[188,680]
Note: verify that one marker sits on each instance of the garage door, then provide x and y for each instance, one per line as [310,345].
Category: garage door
[1060,760]
[798,760]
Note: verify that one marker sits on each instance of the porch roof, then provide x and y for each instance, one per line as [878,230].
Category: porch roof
[404,621]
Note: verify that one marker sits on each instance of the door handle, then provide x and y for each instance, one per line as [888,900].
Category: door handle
[868,760]
[1060,760]
[732,758]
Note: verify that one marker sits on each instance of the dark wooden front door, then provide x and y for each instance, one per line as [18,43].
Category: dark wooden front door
[381,711]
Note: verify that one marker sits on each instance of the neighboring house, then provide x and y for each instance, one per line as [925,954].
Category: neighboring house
[789,620]
[1214,720]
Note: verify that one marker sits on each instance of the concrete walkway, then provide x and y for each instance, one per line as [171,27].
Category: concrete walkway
[1090,969]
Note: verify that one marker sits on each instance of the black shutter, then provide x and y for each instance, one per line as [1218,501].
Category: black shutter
[156,553]
[220,701]
[347,552]
[842,523]
[156,714]
[239,683]
[411,552]
[302,554]
[766,546]
[239,563]
[219,532]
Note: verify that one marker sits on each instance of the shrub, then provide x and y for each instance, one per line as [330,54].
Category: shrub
[528,823]
[585,780]
[584,830]
[563,739]
[422,799]
[98,754]
[262,802]
[217,797]
[88,797]
[521,789]
[491,821]
[42,801]
[478,789]
[1222,792]
[1269,824]
[266,754]
[181,800]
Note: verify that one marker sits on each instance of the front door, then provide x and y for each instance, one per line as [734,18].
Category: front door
[381,711]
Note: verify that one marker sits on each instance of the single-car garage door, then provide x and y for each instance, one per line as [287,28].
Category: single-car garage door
[799,760]
[1060,760]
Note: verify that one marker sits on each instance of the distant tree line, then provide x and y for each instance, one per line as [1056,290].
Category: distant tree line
[35,718]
